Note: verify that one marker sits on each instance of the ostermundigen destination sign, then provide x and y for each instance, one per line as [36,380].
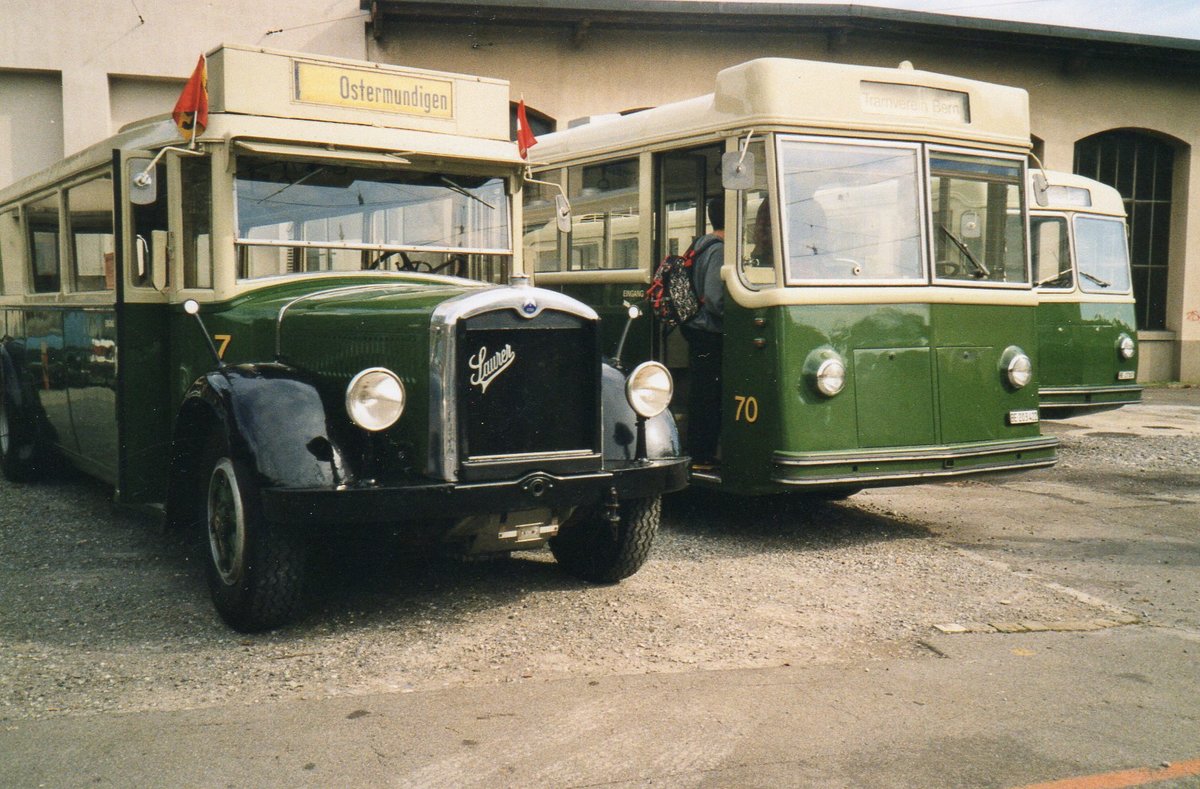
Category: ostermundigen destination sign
[368,89]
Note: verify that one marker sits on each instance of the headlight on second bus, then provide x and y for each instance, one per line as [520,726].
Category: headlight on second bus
[825,371]
[649,388]
[1126,347]
[1018,367]
[375,399]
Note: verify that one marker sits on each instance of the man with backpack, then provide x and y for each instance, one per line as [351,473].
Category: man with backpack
[703,334]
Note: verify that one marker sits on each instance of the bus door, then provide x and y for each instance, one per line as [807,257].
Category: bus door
[1059,362]
[141,375]
[684,180]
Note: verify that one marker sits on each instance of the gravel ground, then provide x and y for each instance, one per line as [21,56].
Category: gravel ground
[102,612]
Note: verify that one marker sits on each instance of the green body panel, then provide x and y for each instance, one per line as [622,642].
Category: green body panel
[1079,364]
[1058,359]
[609,300]
[330,338]
[329,335]
[922,379]
[69,369]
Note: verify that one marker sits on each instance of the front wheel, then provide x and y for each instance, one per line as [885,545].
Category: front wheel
[608,542]
[254,568]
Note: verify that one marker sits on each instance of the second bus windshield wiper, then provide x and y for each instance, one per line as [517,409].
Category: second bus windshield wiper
[983,271]
[1095,279]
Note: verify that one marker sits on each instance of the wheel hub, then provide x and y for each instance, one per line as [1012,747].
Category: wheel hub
[226,523]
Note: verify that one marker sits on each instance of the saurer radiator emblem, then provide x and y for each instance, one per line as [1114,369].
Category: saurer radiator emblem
[486,368]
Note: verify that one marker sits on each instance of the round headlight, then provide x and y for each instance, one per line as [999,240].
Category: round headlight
[1019,370]
[649,389]
[1126,347]
[375,399]
[831,377]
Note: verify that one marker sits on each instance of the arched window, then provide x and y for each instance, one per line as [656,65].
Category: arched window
[539,122]
[1141,167]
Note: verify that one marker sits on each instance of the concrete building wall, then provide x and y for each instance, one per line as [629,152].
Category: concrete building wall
[72,73]
[609,70]
[30,111]
[112,58]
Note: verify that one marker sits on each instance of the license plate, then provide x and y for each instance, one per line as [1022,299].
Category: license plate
[1126,375]
[1023,417]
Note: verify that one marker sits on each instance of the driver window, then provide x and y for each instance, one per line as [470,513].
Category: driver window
[146,220]
[1051,253]
[756,256]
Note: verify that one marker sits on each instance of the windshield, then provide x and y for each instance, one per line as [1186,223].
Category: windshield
[296,216]
[1102,255]
[850,212]
[978,219]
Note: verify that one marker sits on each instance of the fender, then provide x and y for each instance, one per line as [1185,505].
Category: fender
[17,387]
[274,419]
[620,423]
[12,382]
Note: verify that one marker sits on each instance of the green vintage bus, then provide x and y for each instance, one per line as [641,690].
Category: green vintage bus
[1087,333]
[316,320]
[879,319]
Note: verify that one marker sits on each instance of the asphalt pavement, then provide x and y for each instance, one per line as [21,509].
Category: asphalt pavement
[1110,701]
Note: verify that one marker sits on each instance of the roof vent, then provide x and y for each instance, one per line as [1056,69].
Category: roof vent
[589,119]
[905,65]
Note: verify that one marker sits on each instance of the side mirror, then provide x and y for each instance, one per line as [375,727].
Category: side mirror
[737,170]
[1040,188]
[143,187]
[562,213]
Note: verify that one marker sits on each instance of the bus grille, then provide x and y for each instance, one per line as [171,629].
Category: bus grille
[527,386]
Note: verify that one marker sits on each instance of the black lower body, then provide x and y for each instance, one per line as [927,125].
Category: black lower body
[704,394]
[397,503]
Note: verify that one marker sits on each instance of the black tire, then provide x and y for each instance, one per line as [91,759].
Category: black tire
[589,546]
[19,457]
[255,569]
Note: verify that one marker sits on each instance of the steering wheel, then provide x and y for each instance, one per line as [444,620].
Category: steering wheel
[459,262]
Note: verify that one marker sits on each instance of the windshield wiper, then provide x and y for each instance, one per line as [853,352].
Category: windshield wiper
[464,192]
[981,270]
[297,182]
[1096,279]
[1048,280]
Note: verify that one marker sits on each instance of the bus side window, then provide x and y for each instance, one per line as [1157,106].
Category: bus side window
[10,223]
[147,219]
[41,222]
[542,241]
[604,216]
[196,175]
[90,212]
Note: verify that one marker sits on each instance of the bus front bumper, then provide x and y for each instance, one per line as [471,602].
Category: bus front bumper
[1087,398]
[436,500]
[878,467]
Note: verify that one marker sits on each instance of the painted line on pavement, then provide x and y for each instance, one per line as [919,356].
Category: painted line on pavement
[1124,778]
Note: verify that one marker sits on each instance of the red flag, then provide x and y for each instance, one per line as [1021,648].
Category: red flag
[525,138]
[191,111]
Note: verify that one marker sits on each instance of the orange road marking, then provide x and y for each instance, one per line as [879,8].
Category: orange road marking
[1124,778]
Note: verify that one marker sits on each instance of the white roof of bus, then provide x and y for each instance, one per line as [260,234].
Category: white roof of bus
[1065,191]
[478,131]
[812,96]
